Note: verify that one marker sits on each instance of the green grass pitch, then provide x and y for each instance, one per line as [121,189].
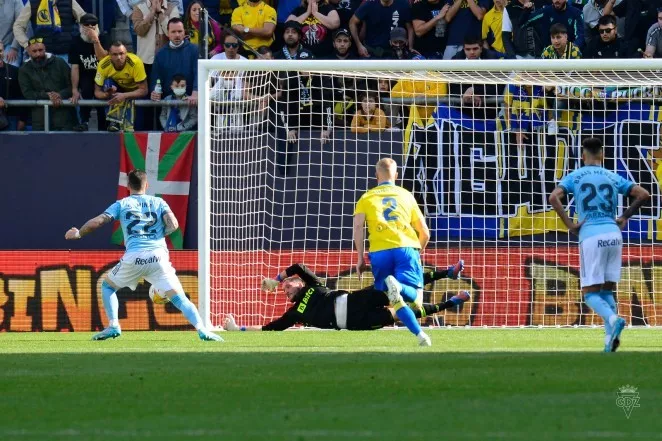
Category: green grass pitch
[484,384]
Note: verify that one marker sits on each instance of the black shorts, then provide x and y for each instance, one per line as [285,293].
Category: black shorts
[367,309]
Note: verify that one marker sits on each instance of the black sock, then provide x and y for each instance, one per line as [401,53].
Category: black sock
[430,309]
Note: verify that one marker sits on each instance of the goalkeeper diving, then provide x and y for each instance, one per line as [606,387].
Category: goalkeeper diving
[321,307]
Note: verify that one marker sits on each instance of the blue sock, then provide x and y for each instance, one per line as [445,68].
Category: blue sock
[406,316]
[608,296]
[408,293]
[188,309]
[110,303]
[599,305]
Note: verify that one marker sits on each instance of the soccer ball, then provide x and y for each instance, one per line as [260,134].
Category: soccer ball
[157,296]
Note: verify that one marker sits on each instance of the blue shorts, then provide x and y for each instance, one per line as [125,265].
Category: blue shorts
[402,263]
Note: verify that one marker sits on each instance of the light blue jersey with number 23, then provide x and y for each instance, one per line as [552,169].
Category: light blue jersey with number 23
[141,218]
[596,191]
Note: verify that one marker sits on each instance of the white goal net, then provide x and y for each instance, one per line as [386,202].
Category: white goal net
[287,148]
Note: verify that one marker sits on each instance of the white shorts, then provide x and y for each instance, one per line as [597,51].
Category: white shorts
[153,266]
[600,259]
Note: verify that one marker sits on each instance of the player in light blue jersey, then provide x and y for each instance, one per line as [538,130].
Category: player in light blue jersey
[596,191]
[146,221]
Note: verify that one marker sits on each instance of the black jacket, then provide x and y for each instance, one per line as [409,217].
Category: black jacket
[615,49]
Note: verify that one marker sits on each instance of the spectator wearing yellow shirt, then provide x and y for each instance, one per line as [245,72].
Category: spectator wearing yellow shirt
[255,23]
[493,25]
[369,118]
[120,79]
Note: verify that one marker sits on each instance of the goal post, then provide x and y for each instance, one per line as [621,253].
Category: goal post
[286,147]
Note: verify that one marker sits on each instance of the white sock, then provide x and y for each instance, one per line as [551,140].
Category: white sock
[114,323]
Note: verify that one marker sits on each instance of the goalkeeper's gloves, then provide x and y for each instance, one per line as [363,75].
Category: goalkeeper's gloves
[269,285]
[230,324]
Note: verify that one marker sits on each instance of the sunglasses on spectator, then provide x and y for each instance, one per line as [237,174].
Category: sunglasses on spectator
[606,30]
[35,40]
[232,45]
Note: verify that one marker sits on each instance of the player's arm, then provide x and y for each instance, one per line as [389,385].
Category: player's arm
[298,269]
[359,241]
[555,200]
[423,232]
[287,320]
[91,225]
[641,196]
[170,221]
[308,277]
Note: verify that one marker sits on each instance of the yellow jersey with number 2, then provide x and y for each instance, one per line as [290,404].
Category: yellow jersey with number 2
[390,212]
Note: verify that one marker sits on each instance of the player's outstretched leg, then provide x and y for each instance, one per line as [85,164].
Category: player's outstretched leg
[616,324]
[402,311]
[452,272]
[111,305]
[429,308]
[191,313]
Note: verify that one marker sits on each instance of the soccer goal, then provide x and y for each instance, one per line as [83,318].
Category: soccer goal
[286,148]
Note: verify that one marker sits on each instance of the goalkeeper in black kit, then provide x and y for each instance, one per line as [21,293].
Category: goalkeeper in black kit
[320,307]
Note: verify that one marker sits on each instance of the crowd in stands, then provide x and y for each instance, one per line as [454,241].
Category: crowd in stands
[58,50]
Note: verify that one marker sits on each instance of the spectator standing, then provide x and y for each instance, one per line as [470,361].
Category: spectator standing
[519,40]
[344,87]
[293,49]
[231,49]
[178,57]
[150,20]
[120,79]
[464,18]
[306,100]
[654,38]
[10,89]
[47,77]
[52,20]
[560,48]
[255,22]
[399,46]
[379,17]
[609,45]
[475,97]
[592,11]
[557,12]
[228,90]
[192,28]
[493,26]
[346,9]
[318,20]
[178,118]
[430,27]
[9,12]
[369,118]
[86,51]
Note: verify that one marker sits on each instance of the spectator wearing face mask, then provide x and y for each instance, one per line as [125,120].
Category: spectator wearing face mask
[400,46]
[178,118]
[179,56]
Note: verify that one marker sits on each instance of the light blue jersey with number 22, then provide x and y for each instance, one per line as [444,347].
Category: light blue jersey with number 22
[596,191]
[141,218]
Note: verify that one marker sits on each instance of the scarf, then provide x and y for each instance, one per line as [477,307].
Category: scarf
[304,92]
[174,119]
[48,16]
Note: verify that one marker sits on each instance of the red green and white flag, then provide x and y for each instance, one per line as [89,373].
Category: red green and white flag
[167,158]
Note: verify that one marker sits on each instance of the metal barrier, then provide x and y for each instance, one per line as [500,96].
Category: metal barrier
[46,104]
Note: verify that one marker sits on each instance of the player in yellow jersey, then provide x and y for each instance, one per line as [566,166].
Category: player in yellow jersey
[397,233]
